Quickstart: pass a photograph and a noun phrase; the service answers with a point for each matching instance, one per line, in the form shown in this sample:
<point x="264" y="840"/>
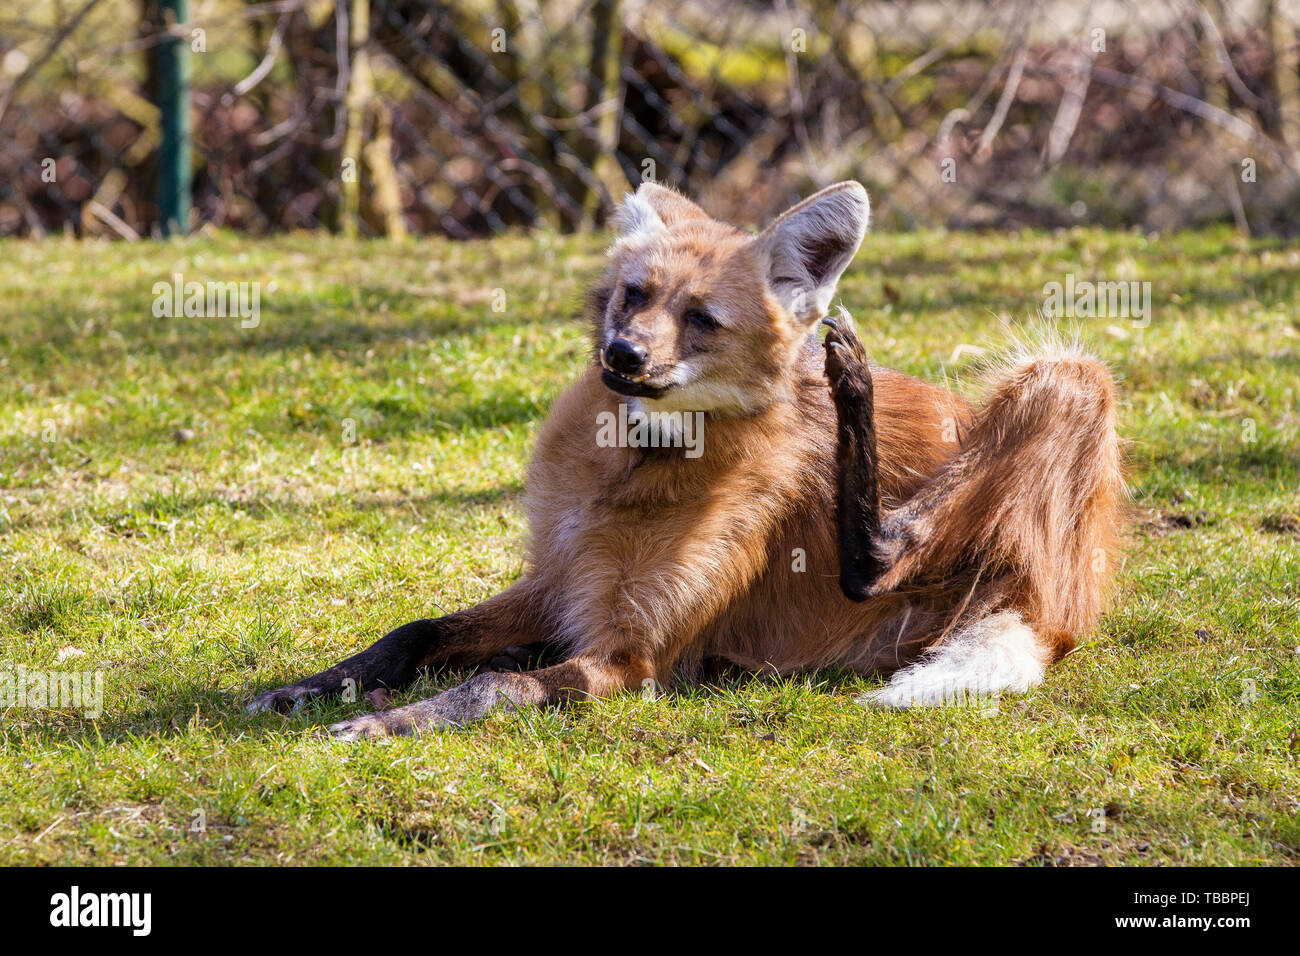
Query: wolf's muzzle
<point x="625" y="357"/>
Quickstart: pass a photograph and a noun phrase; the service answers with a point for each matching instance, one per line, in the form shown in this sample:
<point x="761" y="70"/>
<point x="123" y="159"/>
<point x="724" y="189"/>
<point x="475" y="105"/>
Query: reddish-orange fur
<point x="643" y="562"/>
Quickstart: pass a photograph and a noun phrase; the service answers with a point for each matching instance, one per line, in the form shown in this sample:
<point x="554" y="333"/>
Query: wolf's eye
<point x="633" y="296"/>
<point x="701" y="319"/>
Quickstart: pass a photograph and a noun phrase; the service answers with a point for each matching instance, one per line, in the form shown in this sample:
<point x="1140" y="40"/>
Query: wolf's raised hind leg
<point x="857" y="507"/>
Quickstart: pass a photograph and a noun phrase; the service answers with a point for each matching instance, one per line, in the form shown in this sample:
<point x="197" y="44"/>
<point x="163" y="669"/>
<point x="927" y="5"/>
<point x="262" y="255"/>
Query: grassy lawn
<point x="182" y="510"/>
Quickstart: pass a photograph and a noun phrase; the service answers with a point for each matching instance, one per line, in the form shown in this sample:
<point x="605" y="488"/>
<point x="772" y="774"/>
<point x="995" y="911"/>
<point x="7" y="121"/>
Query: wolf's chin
<point x="717" y="398"/>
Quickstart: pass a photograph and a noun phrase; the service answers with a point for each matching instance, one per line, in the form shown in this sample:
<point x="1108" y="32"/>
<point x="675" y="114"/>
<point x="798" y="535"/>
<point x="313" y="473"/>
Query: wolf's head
<point x="697" y="315"/>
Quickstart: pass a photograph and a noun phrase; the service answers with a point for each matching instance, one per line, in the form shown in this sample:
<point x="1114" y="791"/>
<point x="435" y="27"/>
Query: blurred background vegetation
<point x="474" y="117"/>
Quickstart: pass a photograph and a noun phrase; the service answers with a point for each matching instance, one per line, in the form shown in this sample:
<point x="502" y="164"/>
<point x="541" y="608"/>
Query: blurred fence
<point x="469" y="118"/>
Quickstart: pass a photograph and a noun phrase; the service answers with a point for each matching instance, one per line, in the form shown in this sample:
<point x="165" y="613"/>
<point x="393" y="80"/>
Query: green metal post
<point x="174" y="104"/>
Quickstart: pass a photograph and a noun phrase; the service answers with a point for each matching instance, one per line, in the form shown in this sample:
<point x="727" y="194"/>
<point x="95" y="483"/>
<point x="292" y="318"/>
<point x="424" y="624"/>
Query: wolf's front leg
<point x="582" y="677"/>
<point x="864" y="555"/>
<point x="465" y="639"/>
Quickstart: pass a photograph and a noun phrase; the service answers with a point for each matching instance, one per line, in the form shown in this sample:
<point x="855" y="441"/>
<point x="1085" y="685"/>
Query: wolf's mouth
<point x="625" y="386"/>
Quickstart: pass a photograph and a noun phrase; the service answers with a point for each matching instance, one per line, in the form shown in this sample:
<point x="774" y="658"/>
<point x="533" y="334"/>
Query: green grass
<point x="178" y="504"/>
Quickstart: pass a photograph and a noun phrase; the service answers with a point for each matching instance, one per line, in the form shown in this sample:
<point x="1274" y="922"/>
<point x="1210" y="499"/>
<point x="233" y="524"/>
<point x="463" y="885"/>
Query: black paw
<point x="846" y="359"/>
<point x="283" y="700"/>
<point x="291" y="697"/>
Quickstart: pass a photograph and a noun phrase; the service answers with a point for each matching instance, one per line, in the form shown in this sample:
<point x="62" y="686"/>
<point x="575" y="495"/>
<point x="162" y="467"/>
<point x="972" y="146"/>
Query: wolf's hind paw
<point x="846" y="359"/>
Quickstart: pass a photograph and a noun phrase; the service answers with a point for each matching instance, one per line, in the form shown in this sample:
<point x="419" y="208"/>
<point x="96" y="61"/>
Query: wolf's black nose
<point x="625" y="357"/>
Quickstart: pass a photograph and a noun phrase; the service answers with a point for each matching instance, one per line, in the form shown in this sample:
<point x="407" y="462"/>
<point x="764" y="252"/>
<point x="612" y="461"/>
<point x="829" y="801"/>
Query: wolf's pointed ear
<point x="810" y="245"/>
<point x="653" y="207"/>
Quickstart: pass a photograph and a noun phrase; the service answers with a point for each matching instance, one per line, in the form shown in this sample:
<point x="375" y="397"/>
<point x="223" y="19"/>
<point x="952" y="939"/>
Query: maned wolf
<point x="839" y="513"/>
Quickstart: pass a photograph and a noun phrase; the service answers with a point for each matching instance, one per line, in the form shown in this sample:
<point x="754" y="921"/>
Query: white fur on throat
<point x="693" y="391"/>
<point x="996" y="654"/>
